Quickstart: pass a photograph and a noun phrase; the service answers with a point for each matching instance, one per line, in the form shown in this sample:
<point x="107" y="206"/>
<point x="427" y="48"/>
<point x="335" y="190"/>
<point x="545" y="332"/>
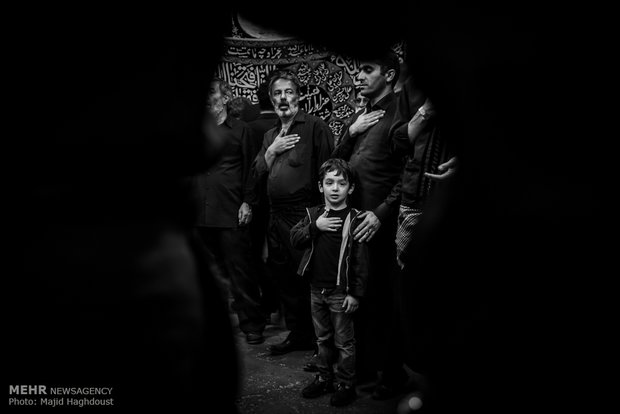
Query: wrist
<point x="424" y="113"/>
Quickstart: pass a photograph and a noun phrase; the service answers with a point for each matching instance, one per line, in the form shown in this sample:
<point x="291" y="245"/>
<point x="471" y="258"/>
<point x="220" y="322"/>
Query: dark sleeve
<point x="303" y="232"/>
<point x="259" y="166"/>
<point x="390" y="204"/>
<point x="249" y="150"/>
<point x="409" y="101"/>
<point x="359" y="257"/>
<point x="323" y="146"/>
<point x="324" y="142"/>
<point x="399" y="140"/>
<point x="256" y="140"/>
<point x="344" y="149"/>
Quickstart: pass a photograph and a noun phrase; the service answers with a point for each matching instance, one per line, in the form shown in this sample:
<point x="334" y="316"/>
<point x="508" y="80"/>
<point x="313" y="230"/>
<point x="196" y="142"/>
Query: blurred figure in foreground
<point x="242" y="108"/>
<point x="227" y="193"/>
<point x="112" y="289"/>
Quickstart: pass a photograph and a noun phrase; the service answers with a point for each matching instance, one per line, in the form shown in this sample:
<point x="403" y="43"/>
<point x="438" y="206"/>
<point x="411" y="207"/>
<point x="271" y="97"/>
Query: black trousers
<point x="268" y="288"/>
<point x="230" y="248"/>
<point x="378" y="325"/>
<point x="282" y="262"/>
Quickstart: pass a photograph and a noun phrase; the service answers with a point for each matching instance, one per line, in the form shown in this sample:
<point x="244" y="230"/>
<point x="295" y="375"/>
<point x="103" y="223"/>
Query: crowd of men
<point x="509" y="289"/>
<point x="267" y="176"/>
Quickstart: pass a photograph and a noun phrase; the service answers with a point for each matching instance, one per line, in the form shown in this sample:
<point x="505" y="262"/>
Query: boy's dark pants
<point x="334" y="329"/>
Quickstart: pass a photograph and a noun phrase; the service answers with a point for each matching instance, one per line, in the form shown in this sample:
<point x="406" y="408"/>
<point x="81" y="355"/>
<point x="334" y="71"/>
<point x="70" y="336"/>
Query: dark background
<point x="512" y="295"/>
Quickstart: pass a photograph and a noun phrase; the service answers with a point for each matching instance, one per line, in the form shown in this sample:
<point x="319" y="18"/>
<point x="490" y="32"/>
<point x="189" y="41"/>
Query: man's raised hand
<point x="365" y="121"/>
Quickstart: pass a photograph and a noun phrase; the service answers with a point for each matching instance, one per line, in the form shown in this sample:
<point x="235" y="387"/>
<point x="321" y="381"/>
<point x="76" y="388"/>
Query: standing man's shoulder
<point x="389" y="101"/>
<point x="316" y="119"/>
<point x="318" y="122"/>
<point x="237" y="124"/>
<point x="303" y="116"/>
<point x="272" y="131"/>
<point x="264" y="122"/>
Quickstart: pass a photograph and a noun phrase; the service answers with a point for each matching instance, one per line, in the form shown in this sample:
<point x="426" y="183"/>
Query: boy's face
<point x="335" y="189"/>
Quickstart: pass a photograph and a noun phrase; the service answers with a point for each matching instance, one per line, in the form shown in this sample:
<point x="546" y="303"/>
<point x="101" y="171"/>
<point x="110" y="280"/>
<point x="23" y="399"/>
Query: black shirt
<point x="378" y="169"/>
<point x="293" y="176"/>
<point x="259" y="126"/>
<point x="227" y="184"/>
<point x="324" y="270"/>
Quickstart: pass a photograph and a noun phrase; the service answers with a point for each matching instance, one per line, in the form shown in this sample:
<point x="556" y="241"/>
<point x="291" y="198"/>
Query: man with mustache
<point x="291" y="154"/>
<point x="366" y="145"/>
<point x="260" y="213"/>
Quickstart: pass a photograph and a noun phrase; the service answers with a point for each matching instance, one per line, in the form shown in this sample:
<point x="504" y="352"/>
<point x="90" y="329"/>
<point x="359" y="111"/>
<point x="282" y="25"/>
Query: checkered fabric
<point x="408" y="217"/>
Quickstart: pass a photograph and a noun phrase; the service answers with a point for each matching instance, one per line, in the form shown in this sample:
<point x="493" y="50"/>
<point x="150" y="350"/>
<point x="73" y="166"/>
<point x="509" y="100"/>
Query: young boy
<point x="336" y="266"/>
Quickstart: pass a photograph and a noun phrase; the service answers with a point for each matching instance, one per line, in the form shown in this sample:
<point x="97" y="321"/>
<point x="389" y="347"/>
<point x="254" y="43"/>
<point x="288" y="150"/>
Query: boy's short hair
<point x="340" y="166"/>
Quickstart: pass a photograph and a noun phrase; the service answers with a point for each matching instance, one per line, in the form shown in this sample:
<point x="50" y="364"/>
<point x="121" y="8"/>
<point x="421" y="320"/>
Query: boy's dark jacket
<point x="353" y="258"/>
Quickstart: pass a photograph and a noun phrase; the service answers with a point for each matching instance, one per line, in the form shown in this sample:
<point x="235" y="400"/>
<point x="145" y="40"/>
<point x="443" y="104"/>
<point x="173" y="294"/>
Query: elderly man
<point x="291" y="154"/>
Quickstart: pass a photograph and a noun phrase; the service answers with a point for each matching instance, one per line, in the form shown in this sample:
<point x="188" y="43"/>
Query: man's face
<point x="373" y="83"/>
<point x="285" y="98"/>
<point x="216" y="101"/>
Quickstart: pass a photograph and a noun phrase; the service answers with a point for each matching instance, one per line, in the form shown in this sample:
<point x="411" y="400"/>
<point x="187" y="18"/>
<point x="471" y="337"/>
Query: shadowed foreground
<point x="273" y="384"/>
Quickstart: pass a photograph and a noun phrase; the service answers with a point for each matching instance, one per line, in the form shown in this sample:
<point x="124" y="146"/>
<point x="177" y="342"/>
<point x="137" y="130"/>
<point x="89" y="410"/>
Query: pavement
<point x="273" y="384"/>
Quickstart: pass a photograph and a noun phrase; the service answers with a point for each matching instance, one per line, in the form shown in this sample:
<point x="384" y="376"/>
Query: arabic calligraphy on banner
<point x="271" y="51"/>
<point x="328" y="80"/>
<point x="244" y="78"/>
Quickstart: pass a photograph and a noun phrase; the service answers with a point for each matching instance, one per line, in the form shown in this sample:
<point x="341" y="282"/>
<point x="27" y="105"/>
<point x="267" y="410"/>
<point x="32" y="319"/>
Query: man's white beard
<point x="290" y="112"/>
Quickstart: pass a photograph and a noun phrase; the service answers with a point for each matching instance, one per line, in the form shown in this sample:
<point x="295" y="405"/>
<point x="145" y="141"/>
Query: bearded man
<point x="290" y="156"/>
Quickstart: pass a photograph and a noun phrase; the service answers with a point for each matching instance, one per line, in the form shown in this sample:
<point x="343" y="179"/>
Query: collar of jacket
<point x="383" y="102"/>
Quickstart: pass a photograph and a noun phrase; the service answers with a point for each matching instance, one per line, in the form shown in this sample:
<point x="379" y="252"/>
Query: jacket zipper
<point x="303" y="272"/>
<point x="350" y="249"/>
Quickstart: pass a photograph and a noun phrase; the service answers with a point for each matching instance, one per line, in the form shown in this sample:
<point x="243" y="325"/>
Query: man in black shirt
<point x="290" y="158"/>
<point x="366" y="145"/>
<point x="266" y="120"/>
<point x="225" y="195"/>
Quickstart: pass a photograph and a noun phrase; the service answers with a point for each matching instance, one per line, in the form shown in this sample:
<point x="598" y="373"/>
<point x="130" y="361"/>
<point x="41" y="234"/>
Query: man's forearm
<point x="270" y="156"/>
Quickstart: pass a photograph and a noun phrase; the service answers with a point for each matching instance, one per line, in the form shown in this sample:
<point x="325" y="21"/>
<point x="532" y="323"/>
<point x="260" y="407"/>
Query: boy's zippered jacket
<point x="353" y="257"/>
